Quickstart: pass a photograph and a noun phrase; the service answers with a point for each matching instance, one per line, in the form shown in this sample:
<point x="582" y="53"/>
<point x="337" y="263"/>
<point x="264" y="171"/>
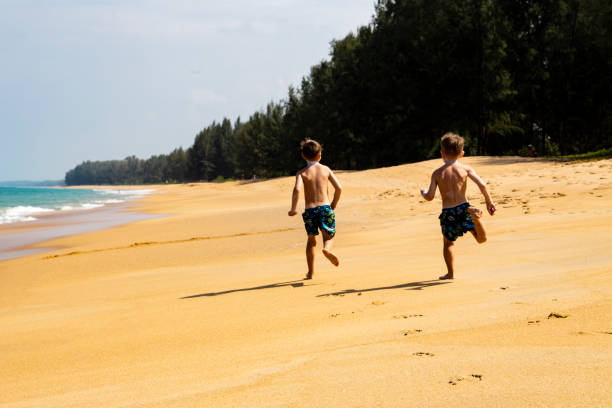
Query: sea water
<point x="19" y="204"/>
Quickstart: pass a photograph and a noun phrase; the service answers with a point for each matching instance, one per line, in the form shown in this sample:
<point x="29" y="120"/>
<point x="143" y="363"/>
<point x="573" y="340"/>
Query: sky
<point x="105" y="79"/>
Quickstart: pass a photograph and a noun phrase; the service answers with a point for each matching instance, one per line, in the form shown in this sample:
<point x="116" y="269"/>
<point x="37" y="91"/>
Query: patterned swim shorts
<point x="322" y="217"/>
<point x="456" y="221"/>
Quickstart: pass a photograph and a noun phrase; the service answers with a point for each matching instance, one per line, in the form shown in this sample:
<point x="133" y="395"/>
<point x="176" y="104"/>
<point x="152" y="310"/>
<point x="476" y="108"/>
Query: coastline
<point x="206" y="306"/>
<point x="29" y="237"/>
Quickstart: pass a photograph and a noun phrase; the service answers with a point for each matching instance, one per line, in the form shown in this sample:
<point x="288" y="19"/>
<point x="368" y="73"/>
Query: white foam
<point x="26" y="213"/>
<point x="89" y="206"/>
<point x="131" y="193"/>
<point x="20" y="213"/>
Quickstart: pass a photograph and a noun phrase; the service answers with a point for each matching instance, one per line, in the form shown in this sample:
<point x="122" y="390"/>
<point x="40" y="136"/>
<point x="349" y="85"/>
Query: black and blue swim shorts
<point x="322" y="217"/>
<point x="456" y="221"/>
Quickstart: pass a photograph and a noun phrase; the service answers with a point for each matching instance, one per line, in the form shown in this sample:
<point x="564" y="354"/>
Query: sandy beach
<point x="205" y="306"/>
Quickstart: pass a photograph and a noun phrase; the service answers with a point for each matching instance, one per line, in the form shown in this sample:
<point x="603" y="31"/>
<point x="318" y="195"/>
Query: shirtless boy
<point x="319" y="213"/>
<point x="457" y="216"/>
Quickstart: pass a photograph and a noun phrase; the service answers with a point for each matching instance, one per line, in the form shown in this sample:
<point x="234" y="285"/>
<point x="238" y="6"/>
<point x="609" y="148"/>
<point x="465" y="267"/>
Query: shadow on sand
<point x="497" y="160"/>
<point x="409" y="286"/>
<point x="295" y="284"/>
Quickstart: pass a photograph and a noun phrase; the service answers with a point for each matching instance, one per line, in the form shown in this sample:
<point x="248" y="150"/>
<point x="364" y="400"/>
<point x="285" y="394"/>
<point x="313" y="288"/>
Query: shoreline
<point x="25" y="238"/>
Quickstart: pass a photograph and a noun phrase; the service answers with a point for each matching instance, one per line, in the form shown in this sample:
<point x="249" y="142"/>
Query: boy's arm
<point x="337" y="189"/>
<point x="431" y="193"/>
<point x="296" y="194"/>
<point x="483" y="189"/>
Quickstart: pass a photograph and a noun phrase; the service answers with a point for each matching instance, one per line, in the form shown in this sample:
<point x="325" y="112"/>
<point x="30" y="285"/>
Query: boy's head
<point x="311" y="150"/>
<point x="452" y="145"/>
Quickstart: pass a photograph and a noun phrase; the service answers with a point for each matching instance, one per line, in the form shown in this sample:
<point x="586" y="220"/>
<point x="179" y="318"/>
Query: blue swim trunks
<point x="322" y="217"/>
<point x="456" y="221"/>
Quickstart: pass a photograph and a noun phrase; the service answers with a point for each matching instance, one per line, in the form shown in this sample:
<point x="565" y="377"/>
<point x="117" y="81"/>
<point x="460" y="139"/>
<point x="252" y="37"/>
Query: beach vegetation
<point x="504" y="74"/>
<point x="599" y="154"/>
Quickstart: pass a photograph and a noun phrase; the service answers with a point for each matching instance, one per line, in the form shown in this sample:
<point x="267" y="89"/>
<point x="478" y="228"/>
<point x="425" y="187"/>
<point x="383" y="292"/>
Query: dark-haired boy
<point x="457" y="216"/>
<point x="319" y="213"/>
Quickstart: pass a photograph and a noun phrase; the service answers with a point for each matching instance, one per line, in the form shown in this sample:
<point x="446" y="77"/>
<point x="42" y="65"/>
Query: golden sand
<point x="205" y="307"/>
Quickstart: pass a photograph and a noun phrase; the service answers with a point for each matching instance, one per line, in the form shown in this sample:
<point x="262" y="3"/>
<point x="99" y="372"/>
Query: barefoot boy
<point x="319" y="214"/>
<point x="457" y="216"/>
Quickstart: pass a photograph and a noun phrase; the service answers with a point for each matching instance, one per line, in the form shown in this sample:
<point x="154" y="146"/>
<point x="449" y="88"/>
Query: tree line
<point x="502" y="73"/>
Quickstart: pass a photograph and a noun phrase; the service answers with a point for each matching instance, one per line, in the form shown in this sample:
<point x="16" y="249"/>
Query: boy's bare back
<point x="314" y="178"/>
<point x="452" y="182"/>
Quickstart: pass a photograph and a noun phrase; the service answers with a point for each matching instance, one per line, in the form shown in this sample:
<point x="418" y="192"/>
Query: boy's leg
<point x="327" y="245"/>
<point x="448" y="258"/>
<point x="310" y="254"/>
<point x="479" y="232"/>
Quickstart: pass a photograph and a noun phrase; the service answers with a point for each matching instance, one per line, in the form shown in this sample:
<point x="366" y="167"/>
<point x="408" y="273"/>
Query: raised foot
<point x="332" y="258"/>
<point x="447" y="276"/>
<point x="474" y="212"/>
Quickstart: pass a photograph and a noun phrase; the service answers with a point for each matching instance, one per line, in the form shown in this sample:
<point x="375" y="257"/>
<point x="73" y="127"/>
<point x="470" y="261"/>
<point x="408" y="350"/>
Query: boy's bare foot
<point x="308" y="276"/>
<point x="332" y="258"/>
<point x="474" y="212"/>
<point x="447" y="276"/>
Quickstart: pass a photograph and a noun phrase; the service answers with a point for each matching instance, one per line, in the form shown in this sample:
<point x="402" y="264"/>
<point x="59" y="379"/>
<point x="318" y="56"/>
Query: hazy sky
<point x="105" y="79"/>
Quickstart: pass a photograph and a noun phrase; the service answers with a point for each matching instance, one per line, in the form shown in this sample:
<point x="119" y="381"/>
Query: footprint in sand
<point x="378" y="303"/>
<point x="533" y="322"/>
<point x="471" y="378"/>
<point x="334" y="315"/>
<point x="423" y="354"/>
<point x="411" y="332"/>
<point x="406" y="316"/>
<point x="554" y="315"/>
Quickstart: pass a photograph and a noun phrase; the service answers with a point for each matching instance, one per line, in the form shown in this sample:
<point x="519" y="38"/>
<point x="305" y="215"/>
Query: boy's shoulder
<point x="466" y="167"/>
<point x="437" y="172"/>
<point x="455" y="164"/>
<point x="319" y="165"/>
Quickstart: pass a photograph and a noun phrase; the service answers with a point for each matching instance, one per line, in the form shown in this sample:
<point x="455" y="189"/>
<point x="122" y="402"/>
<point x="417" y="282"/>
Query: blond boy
<point x="319" y="213"/>
<point x="457" y="216"/>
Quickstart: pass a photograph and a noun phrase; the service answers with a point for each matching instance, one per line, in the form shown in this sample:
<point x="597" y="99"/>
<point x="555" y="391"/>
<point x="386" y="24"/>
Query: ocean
<point x="20" y="204"/>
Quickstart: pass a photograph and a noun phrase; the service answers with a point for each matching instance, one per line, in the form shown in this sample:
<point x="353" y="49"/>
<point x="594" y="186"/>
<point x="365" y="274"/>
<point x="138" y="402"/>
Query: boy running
<point x="457" y="216"/>
<point x="319" y="213"/>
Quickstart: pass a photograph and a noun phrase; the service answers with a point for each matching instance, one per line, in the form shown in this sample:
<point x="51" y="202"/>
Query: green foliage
<point x="599" y="154"/>
<point x="502" y="73"/>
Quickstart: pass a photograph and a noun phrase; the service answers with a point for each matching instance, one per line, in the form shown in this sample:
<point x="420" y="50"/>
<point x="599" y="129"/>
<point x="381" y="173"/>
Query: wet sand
<point x="206" y="306"/>
<point x="20" y="239"/>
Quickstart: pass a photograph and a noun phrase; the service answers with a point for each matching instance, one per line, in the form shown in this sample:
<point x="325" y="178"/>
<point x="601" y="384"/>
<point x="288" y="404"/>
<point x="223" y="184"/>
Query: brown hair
<point x="452" y="144"/>
<point x="310" y="149"/>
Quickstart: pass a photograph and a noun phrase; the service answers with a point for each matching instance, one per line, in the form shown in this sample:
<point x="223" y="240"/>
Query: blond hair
<point x="310" y="149"/>
<point x="452" y="144"/>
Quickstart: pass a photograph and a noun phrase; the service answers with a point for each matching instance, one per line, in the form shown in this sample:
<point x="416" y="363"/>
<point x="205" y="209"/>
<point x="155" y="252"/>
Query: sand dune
<point x="205" y="307"/>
